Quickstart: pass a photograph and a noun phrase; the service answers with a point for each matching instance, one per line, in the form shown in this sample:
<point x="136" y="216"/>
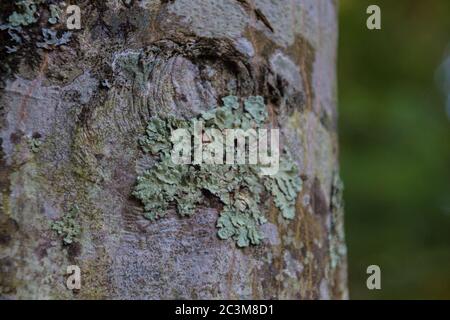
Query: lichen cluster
<point x="34" y="144"/>
<point x="239" y="187"/>
<point x="55" y="13"/>
<point x="338" y="250"/>
<point x="68" y="227"/>
<point x="26" y="17"/>
<point x="136" y="66"/>
<point x="22" y="24"/>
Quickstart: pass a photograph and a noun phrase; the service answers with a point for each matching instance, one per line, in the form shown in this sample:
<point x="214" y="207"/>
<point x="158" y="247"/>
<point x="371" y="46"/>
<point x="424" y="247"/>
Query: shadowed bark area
<point x="70" y="125"/>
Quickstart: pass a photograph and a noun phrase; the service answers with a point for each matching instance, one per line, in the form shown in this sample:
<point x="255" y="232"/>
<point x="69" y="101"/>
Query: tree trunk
<point x="71" y="118"/>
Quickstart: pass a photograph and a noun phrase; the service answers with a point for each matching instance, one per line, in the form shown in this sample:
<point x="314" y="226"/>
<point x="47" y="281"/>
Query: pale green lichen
<point x="338" y="250"/>
<point x="51" y="38"/>
<point x="34" y="144"/>
<point x="238" y="187"/>
<point x="27" y="15"/>
<point x="158" y="133"/>
<point x="135" y="65"/>
<point x="21" y="30"/>
<point x="284" y="186"/>
<point x="68" y="227"/>
<point x="55" y="14"/>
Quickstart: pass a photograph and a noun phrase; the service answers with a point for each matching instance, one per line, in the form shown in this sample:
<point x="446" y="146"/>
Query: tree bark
<point x="70" y="125"/>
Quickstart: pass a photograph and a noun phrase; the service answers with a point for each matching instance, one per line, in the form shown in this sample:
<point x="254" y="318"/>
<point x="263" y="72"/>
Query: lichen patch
<point x="240" y="188"/>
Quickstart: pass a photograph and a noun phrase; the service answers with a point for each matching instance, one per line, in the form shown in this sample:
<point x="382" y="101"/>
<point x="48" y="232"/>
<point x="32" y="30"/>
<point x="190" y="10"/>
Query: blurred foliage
<point x="395" y="147"/>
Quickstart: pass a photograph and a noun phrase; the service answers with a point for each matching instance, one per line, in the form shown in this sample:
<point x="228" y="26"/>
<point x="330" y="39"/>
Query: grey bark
<point x="88" y="114"/>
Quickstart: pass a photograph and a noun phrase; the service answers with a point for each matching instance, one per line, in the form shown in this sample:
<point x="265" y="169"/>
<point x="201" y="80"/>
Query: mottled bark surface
<point x="88" y="112"/>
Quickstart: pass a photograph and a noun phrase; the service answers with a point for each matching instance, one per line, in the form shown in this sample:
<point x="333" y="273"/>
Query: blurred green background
<point x="395" y="147"/>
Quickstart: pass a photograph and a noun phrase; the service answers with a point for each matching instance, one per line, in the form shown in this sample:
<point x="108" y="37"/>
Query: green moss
<point x="68" y="227"/>
<point x="238" y="187"/>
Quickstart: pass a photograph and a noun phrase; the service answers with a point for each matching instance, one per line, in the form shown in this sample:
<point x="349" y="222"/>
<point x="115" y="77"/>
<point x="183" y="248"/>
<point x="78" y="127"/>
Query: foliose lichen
<point x="21" y="26"/>
<point x="338" y="250"/>
<point x="68" y="227"/>
<point x="27" y="15"/>
<point x="34" y="144"/>
<point x="51" y="39"/>
<point x="55" y="14"/>
<point x="135" y="65"/>
<point x="239" y="188"/>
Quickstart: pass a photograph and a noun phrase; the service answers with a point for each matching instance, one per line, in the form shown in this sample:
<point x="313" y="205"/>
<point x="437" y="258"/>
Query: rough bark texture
<point x="88" y="112"/>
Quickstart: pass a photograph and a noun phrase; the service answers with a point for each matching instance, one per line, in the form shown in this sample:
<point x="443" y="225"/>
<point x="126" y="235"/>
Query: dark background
<point x="395" y="146"/>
